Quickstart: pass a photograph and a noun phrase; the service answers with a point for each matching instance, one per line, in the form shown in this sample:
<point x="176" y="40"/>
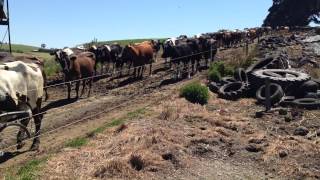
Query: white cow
<point x="22" y="84"/>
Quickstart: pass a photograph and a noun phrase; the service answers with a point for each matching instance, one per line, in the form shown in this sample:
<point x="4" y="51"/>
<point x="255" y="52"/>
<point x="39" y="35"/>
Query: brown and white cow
<point x="21" y="89"/>
<point x="76" y="67"/>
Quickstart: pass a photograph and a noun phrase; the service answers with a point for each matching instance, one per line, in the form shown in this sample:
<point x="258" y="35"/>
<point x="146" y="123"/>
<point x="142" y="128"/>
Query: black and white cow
<point x="21" y="89"/>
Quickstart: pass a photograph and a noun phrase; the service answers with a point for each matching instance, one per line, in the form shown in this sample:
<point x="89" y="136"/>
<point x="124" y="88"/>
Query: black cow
<point x="103" y="57"/>
<point x="107" y="54"/>
<point x="181" y="53"/>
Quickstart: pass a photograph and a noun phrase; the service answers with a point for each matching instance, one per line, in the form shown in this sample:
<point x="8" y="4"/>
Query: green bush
<point x="195" y="93"/>
<point x="218" y="70"/>
<point x="228" y="71"/>
<point x="214" y="75"/>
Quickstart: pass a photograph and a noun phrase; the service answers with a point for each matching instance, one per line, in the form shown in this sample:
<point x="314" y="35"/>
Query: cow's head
<point x="63" y="59"/>
<point x="167" y="50"/>
<point x="156" y="45"/>
<point x="126" y="52"/>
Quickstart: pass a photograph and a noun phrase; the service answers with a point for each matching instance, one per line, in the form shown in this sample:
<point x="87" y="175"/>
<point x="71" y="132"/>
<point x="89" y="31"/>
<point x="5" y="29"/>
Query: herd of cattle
<point x="23" y="82"/>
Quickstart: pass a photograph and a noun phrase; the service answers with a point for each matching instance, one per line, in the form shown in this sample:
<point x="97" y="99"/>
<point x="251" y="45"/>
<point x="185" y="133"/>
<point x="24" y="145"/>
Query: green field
<point x="125" y="42"/>
<point x="18" y="48"/>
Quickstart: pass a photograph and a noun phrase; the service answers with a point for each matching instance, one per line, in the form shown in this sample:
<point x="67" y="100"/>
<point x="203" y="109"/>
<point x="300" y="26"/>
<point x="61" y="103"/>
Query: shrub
<point x="195" y="93"/>
<point x="214" y="75"/>
<point x="228" y="71"/>
<point x="220" y="69"/>
<point x="218" y="66"/>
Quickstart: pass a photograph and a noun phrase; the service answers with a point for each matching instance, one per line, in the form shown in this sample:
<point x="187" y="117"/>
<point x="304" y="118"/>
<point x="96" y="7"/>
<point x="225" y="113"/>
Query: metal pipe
<point x="9" y="33"/>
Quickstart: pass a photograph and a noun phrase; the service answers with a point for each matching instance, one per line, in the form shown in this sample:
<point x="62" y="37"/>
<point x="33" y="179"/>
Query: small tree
<point x="43" y="46"/>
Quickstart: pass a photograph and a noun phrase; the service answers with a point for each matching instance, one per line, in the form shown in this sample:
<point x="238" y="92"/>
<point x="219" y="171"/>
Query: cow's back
<point x="24" y="79"/>
<point x="84" y="64"/>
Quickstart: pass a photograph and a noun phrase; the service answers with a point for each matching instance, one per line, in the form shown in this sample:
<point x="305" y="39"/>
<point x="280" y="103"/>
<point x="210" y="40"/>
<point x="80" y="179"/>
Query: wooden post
<point x="268" y="95"/>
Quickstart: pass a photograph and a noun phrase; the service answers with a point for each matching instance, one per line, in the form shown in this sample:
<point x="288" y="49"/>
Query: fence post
<point x="268" y="95"/>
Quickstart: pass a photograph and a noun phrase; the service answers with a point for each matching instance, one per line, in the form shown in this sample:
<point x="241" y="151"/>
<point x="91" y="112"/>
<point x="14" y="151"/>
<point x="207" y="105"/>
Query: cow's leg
<point x="69" y="90"/>
<point x="95" y="68"/>
<point x="90" y="86"/>
<point x="134" y="72"/>
<point x="188" y="68"/>
<point x="101" y="68"/>
<point x="37" y="122"/>
<point x="114" y="69"/>
<point x="77" y="89"/>
<point x="141" y="71"/>
<point x="21" y="133"/>
<point x="83" y="87"/>
<point x="45" y="86"/>
<point x="151" y="69"/>
<point x="176" y="66"/>
<point x="179" y="70"/>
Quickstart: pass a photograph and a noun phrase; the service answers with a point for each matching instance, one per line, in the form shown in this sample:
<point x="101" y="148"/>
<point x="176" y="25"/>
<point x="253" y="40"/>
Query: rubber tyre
<point x="276" y="94"/>
<point x="287" y="101"/>
<point x="214" y="87"/>
<point x="228" y="80"/>
<point x="307" y="87"/>
<point x="296" y="77"/>
<point x="312" y="95"/>
<point x="241" y="75"/>
<point x="259" y="64"/>
<point x="307" y="103"/>
<point x="233" y="90"/>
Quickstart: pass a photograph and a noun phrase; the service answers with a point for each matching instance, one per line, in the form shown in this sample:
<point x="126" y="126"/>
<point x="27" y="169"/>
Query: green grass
<point x="77" y="143"/>
<point x="117" y="122"/>
<point x="137" y="113"/>
<point x="28" y="171"/>
<point x="220" y="69"/>
<point x="124" y="42"/>
<point x="19" y="48"/>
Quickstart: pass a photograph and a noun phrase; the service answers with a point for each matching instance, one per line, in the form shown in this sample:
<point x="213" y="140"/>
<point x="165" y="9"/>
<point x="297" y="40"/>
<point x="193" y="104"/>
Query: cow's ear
<point x="73" y="58"/>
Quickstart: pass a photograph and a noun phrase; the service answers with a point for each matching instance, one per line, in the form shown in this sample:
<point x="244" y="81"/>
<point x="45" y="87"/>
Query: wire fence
<point x="72" y="123"/>
<point x="173" y="60"/>
<point x="84" y="119"/>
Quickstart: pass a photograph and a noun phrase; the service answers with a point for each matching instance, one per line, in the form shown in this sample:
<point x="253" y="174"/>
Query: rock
<point x="301" y="131"/>
<point x="283" y="112"/>
<point x="255" y="141"/>
<point x="283" y="154"/>
<point x="288" y="118"/>
<point x="253" y="148"/>
<point x="318" y="132"/>
<point x="258" y="115"/>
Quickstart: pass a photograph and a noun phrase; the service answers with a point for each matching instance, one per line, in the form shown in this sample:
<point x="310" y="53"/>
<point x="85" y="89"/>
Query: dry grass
<point x="143" y="147"/>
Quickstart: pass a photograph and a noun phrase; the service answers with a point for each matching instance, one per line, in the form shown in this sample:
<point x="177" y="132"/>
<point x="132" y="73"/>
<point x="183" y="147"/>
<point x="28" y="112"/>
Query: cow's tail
<point x="45" y="88"/>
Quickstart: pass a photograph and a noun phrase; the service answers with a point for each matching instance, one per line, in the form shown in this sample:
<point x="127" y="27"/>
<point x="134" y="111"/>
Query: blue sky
<point x="60" y="23"/>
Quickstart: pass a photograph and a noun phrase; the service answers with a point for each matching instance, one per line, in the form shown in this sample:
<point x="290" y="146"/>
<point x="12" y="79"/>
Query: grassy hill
<point x="124" y="42"/>
<point x="18" y="48"/>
